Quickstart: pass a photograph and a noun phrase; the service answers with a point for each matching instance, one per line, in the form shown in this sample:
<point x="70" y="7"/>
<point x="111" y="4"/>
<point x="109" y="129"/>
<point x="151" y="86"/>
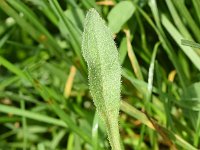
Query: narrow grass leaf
<point x="151" y="69"/>
<point x="132" y="57"/>
<point x="160" y="79"/>
<point x="123" y="50"/>
<point x="43" y="90"/>
<point x="91" y="4"/>
<point x="138" y="84"/>
<point x="196" y="5"/>
<point x="66" y="118"/>
<point x="184" y="11"/>
<point x="44" y="7"/>
<point x="17" y="97"/>
<point x="132" y="111"/>
<point x="23" y="23"/>
<point x="32" y="115"/>
<point x="143" y="33"/>
<point x="12" y="68"/>
<point x="6" y="119"/>
<point x="74" y="31"/>
<point x="8" y="81"/>
<point x="177" y="20"/>
<point x="150" y="79"/>
<point x="195" y="59"/>
<point x="41" y="146"/>
<point x="33" y="19"/>
<point x="5" y="38"/>
<point x="70" y="142"/>
<point x="76" y="16"/>
<point x="191" y="100"/>
<point x="164" y="41"/>
<point x="57" y="139"/>
<point x="95" y="128"/>
<point x="24" y="125"/>
<point x="184" y="144"/>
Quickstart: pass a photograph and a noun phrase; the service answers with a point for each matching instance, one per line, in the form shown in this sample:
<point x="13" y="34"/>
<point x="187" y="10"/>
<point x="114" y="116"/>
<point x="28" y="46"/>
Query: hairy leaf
<point x="104" y="70"/>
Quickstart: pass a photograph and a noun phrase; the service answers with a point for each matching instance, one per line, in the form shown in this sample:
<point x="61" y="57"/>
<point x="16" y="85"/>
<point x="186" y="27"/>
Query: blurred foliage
<point x="45" y="103"/>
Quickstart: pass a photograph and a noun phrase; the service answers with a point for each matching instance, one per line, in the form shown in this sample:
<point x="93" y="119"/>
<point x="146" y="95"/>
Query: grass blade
<point x="74" y="32"/>
<point x="188" y="18"/>
<point x="178" y="21"/>
<point x="31" y="115"/>
<point x="195" y="59"/>
<point x="132" y="57"/>
<point x="165" y="43"/>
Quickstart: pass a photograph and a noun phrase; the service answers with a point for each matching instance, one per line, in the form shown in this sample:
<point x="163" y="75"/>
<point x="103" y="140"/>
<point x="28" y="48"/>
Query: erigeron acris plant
<point x="104" y="73"/>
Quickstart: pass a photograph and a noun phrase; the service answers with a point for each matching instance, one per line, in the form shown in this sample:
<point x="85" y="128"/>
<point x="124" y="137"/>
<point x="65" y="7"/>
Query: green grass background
<point x="45" y="103"/>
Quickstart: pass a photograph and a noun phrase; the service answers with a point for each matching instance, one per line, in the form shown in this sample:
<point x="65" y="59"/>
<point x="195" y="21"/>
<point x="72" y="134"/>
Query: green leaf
<point x="30" y="24"/>
<point x="195" y="59"/>
<point x="67" y="26"/>
<point x="164" y="40"/>
<point x="32" y="115"/>
<point x="177" y="20"/>
<point x="76" y="16"/>
<point x="101" y="55"/>
<point x="196" y="7"/>
<point x="188" y="18"/>
<point x="132" y="111"/>
<point x="123" y="50"/>
<point x="119" y="15"/>
<point x="191" y="101"/>
<point x="95" y="128"/>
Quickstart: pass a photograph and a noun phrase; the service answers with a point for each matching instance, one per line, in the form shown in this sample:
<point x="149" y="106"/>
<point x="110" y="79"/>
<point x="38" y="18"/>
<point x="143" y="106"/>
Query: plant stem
<point x="113" y="133"/>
